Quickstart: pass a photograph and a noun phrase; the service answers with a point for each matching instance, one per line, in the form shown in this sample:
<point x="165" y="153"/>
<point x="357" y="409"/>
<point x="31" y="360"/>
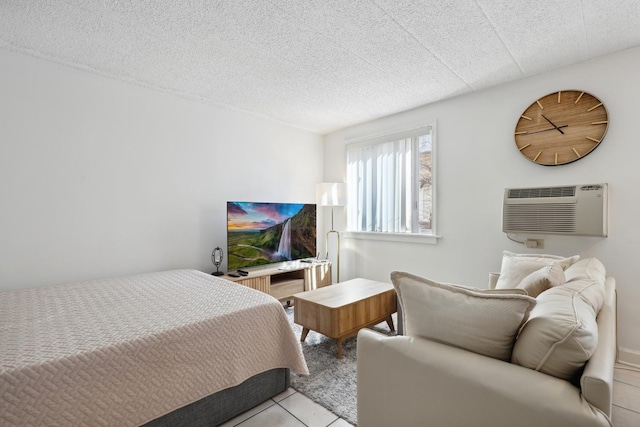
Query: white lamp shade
<point x="331" y="194"/>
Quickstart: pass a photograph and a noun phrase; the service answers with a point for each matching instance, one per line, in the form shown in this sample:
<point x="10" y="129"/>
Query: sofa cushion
<point x="588" y="268"/>
<point x="483" y="322"/>
<point x="561" y="333"/>
<point x="515" y="267"/>
<point x="542" y="279"/>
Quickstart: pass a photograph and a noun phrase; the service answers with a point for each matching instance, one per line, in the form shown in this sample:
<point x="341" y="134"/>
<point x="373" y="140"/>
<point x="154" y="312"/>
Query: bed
<point x="166" y="348"/>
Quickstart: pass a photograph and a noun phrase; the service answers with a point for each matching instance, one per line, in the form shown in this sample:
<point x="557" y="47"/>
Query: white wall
<point x="477" y="159"/>
<point x="100" y="178"/>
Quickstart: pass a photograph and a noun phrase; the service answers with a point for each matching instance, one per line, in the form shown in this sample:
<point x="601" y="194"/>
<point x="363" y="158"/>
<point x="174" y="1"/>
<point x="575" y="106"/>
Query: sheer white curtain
<point x="379" y="178"/>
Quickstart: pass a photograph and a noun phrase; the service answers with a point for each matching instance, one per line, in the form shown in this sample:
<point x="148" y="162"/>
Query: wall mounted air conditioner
<point x="578" y="210"/>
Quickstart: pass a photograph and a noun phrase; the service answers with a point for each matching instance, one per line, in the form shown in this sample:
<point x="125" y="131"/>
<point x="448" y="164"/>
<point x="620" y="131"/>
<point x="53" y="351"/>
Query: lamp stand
<point x="338" y="247"/>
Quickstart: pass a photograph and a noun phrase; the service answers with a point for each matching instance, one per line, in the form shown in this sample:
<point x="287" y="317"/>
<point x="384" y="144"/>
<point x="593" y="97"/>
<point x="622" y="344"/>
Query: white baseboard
<point x="627" y="356"/>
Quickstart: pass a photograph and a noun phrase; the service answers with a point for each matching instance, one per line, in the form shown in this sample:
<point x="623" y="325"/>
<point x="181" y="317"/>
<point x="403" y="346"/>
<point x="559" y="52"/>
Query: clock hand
<point x="546" y="130"/>
<point x="553" y="124"/>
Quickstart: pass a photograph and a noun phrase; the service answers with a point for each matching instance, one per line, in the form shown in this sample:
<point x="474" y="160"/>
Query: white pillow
<point x="541" y="280"/>
<point x="515" y="267"/>
<point x="483" y="322"/>
<point x="561" y="333"/>
<point x="514" y="291"/>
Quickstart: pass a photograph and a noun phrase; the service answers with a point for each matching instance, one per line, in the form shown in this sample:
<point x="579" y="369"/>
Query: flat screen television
<point x="265" y="233"/>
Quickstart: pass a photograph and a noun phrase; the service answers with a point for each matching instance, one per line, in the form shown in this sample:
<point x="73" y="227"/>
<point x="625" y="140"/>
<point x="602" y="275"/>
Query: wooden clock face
<point x="561" y="127"/>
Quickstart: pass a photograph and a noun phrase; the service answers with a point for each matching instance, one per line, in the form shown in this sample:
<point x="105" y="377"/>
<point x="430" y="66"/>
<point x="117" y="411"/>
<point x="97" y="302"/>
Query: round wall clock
<point x="561" y="127"/>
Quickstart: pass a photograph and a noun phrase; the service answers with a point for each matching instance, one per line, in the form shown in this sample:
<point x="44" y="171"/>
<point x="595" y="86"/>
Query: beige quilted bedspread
<point x="124" y="351"/>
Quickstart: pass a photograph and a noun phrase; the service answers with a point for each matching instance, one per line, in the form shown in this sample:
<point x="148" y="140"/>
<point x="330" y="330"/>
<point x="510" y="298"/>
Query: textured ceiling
<point x="319" y="65"/>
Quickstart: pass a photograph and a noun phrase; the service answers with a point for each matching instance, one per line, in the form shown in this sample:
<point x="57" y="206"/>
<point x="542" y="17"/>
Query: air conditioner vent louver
<point x="569" y="210"/>
<point x="550" y="218"/>
<point x="529" y="193"/>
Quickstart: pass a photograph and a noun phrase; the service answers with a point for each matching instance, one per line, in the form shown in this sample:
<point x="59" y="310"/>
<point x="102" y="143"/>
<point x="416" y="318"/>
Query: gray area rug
<point x="331" y="382"/>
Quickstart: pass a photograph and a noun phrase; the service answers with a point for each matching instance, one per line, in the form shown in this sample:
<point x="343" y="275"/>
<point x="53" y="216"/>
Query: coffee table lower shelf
<point x="339" y="311"/>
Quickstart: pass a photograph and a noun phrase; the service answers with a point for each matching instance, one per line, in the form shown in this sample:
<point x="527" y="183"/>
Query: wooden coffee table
<point x="339" y="311"/>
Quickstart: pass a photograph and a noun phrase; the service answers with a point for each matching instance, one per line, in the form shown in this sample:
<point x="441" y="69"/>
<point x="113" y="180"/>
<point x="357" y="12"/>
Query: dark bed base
<point x="217" y="408"/>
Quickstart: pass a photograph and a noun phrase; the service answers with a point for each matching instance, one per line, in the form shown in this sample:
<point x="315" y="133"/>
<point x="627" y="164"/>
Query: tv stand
<point x="282" y="280"/>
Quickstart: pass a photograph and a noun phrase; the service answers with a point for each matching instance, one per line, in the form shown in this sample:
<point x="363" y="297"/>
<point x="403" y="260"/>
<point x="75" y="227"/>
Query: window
<point x="390" y="183"/>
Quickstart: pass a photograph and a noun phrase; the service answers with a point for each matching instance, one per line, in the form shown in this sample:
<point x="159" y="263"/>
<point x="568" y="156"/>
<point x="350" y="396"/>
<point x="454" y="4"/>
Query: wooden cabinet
<point x="285" y="279"/>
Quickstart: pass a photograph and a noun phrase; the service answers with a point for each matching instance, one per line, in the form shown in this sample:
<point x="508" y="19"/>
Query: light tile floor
<point x="291" y="408"/>
<point x="288" y="409"/>
<point x="626" y="396"/>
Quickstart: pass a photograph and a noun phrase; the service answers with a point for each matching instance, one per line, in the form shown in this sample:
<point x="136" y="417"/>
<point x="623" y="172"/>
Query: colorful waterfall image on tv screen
<point x="265" y="233"/>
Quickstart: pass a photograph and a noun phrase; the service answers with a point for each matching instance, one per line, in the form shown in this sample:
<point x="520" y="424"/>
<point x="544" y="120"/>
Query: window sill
<point x="429" y="239"/>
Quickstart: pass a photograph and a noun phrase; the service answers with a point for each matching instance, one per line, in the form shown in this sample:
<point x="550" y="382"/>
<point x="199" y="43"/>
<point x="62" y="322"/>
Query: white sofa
<point x="413" y="381"/>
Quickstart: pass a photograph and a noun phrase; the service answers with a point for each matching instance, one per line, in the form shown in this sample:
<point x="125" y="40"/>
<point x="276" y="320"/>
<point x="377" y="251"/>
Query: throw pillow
<point x="515" y="291"/>
<point x="543" y="279"/>
<point x="482" y="322"/>
<point x="515" y="267"/>
<point x="561" y="333"/>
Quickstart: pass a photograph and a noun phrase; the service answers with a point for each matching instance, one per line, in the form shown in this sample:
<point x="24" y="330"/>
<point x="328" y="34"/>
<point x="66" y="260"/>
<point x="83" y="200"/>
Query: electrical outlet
<point x="534" y="243"/>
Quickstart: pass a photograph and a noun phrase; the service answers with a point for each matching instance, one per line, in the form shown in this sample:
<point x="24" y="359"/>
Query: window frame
<point x="397" y="134"/>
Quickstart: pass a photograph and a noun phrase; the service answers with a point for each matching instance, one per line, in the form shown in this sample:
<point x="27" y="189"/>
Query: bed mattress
<point x="124" y="351"/>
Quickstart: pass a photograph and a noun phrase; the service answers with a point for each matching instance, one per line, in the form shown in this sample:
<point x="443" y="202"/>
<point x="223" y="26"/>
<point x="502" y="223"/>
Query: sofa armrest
<point x="493" y="280"/>
<point x="597" y="378"/>
<point x="406" y="381"/>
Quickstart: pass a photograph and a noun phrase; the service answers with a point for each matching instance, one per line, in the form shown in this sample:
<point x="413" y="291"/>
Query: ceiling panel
<point x="460" y="35"/>
<point x="611" y="26"/>
<point x="319" y="65"/>
<point x="545" y="34"/>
